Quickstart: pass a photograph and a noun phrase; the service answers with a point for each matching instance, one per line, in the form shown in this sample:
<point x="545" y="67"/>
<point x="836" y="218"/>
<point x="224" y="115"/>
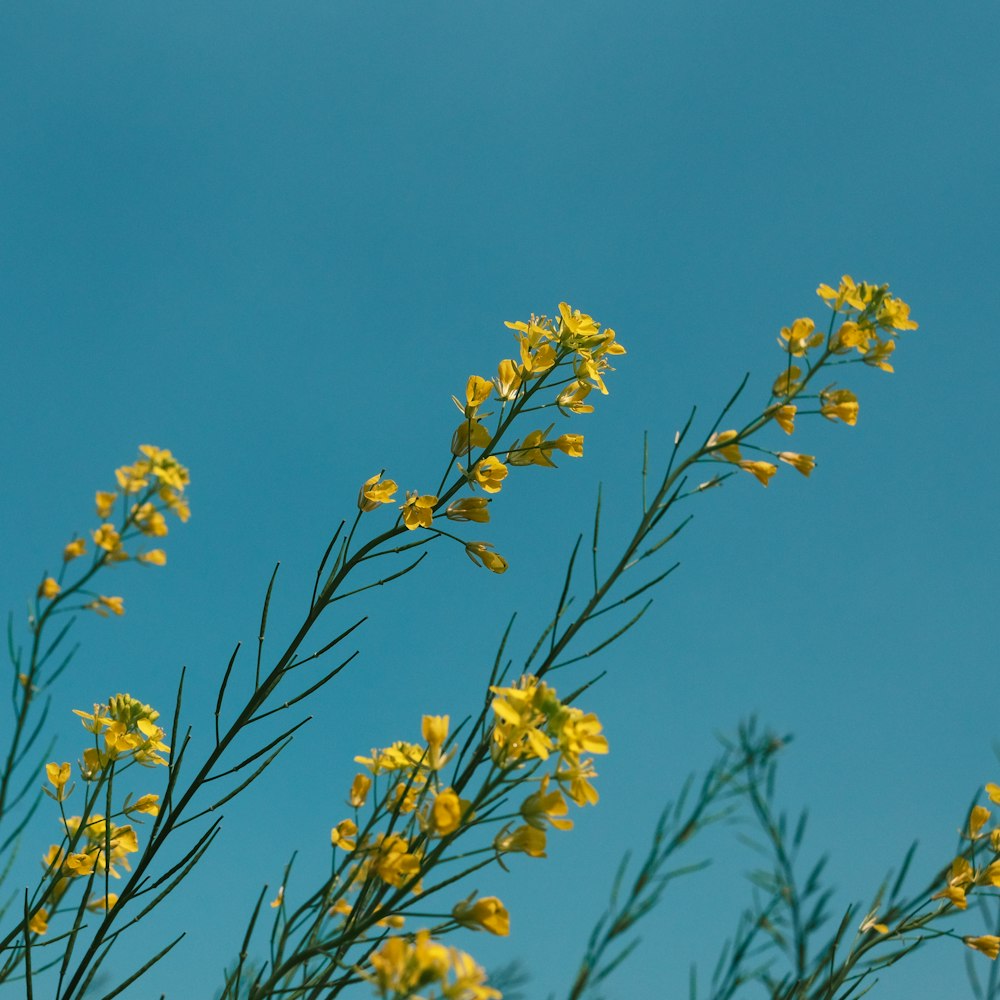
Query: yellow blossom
<point x="447" y="813"/>
<point x="39" y="923"/>
<point x="469" y="509"/>
<point x="344" y="835"/>
<point x="839" y="404"/>
<point x="762" y="471"/>
<point x="988" y="944"/>
<point x="469" y="434"/>
<point x="575" y="779"/>
<point x="544" y="807"/>
<point x="895" y="314"/>
<point x="800" y="337"/>
<point x="49" y="588"/>
<point x="787" y="382"/>
<point x="107" y="538"/>
<point x="359" y="790"/>
<point x="148" y="804"/>
<point x="486" y="914"/>
<point x="279" y="899"/>
<point x="534" y="450"/>
<point x="536" y="360"/>
<point x="489" y="473"/>
<point x="803" y="463"/>
<point x="392" y="860"/>
<point x="75" y="548"/>
<point x="480" y="552"/>
<point x="573" y="397"/>
<point x="978" y="818"/>
<point x="576" y="322"/>
<point x="477" y="391"/>
<point x="154" y="557"/>
<point x="116" y="605"/>
<point x="105" y="502"/>
<point x="104" y="903"/>
<point x="132" y="478"/>
<point x="149" y="520"/>
<point x="993" y="791"/>
<point x="570" y="444"/>
<point x="878" y="356"/>
<point x="435" y="732"/>
<point x="525" y="839"/>
<point x="508" y="380"/>
<point x="375" y="491"/>
<point x="59" y="775"/>
<point x="720" y="447"/>
<point x="418" y="511"/>
<point x="784" y="417"/>
<point x="870" y="923"/>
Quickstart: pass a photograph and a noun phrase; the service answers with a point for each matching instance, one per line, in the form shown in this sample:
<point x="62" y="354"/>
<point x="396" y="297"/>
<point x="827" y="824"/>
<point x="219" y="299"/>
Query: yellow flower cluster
<point x="154" y="484"/>
<point x="98" y="836"/>
<point x="868" y="313"/>
<point x="401" y="967"/>
<point x="129" y="730"/>
<point x="531" y="724"/>
<point x="574" y="340"/>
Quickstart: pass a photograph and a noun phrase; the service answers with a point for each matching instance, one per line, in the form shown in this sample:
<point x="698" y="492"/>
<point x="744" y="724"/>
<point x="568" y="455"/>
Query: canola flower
<point x="500" y="788"/>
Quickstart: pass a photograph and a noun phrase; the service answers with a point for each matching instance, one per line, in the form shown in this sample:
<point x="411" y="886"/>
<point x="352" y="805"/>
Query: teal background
<point x="276" y="238"/>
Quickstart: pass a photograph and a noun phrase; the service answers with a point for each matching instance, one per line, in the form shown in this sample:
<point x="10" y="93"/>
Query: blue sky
<point x="276" y="238"/>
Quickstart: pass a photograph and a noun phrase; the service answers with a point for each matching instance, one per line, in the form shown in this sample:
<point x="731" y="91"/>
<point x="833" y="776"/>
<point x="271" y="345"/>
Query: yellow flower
<point x="851" y="335"/>
<point x="544" y="807"/>
<point x="175" y="503"/>
<point x="870" y="924"/>
<point x="76" y="548"/>
<point x="116" y="605"/>
<point x="132" y="478"/>
<point x="854" y="295"/>
<point x="993" y="791"/>
<point x="418" y="511"/>
<point x="534" y="450"/>
<point x="480" y="552"/>
<point x="784" y="417"/>
<point x="988" y="944"/>
<point x="154" y="557"/>
<point x="279" y="899"/>
<point x="375" y="491"/>
<point x="536" y="360"/>
<point x="719" y="446"/>
<point x="147" y="804"/>
<point x="489" y="473"/>
<point x="800" y="337"/>
<point x="105" y="903"/>
<point x="895" y="314"/>
<point x="59" y="775"/>
<point x="104" y="501"/>
<point x="400" y="756"/>
<point x="803" y="463"/>
<point x="435" y="733"/>
<point x="787" y="382"/>
<point x="977" y="820"/>
<point x="359" y="790"/>
<point x="577" y="323"/>
<point x="344" y="835"/>
<point x="49" y="588"/>
<point x="149" y="520"/>
<point x="878" y="356"/>
<point x="839" y="404"/>
<point x="469" y="434"/>
<point x="508" y="380"/>
<point x="575" y="779"/>
<point x="107" y="538"/>
<point x="762" y="471"/>
<point x="570" y="444"/>
<point x="39" y="923"/>
<point x="525" y="840"/>
<point x="477" y="391"/>
<point x="392" y="860"/>
<point x="168" y="471"/>
<point x="573" y="396"/>
<point x="485" y="914"/>
<point x="447" y="813"/>
<point x="469" y="509"/>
